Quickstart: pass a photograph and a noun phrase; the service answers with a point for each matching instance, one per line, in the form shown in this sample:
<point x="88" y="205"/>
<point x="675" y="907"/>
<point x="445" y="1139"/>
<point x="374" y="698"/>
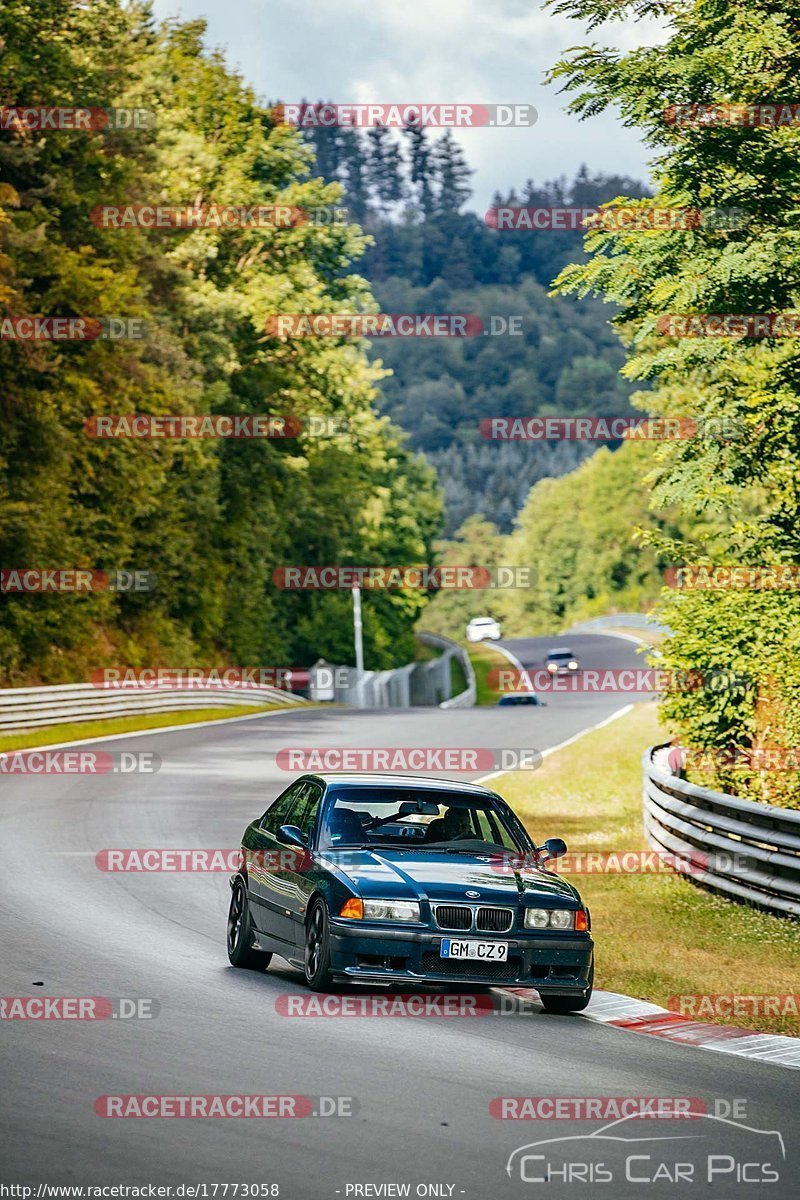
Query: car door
<point x="298" y="872"/>
<point x="264" y="870"/>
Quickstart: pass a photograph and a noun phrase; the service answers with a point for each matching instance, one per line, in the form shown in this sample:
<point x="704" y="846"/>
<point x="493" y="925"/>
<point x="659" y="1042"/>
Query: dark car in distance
<point x="561" y="661"/>
<point x="399" y="879"/>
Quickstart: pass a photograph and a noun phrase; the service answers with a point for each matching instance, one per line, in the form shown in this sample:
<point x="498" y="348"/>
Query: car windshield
<point x="560" y="654"/>
<point x="420" y="819"/>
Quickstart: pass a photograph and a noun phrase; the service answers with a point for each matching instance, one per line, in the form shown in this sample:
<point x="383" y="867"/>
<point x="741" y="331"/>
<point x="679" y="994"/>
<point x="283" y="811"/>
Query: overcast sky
<point x="468" y="51"/>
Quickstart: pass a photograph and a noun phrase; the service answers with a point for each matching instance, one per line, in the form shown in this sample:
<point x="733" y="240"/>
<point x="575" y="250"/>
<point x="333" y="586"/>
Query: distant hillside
<point x="428" y="256"/>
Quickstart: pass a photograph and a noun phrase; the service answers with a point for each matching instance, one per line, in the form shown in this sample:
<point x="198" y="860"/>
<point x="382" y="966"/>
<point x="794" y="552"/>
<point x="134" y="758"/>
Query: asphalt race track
<point x="421" y="1087"/>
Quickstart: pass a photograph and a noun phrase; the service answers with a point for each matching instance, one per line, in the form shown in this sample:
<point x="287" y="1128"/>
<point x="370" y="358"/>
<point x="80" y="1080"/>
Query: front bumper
<point x="558" y="964"/>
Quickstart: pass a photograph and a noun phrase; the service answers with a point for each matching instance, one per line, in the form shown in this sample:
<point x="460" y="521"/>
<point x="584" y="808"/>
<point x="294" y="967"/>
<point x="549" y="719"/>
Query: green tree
<point x="477" y="543"/>
<point x="212" y="520"/>
<point x="742" y="495"/>
<point x="421" y="169"/>
<point x="385" y="169"/>
<point x="453" y="174"/>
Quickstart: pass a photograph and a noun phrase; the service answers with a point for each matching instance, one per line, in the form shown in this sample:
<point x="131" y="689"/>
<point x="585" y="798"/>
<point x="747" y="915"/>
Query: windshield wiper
<point x="400" y="844"/>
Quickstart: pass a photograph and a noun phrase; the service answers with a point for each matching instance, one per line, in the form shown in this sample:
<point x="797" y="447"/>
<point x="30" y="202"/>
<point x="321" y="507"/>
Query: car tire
<point x="240" y="933"/>
<point x="569" y="1004"/>
<point x="317" y="960"/>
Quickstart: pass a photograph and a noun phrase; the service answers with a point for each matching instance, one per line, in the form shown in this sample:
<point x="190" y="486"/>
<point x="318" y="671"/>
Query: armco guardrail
<point x="621" y="621"/>
<point x="417" y="683"/>
<point x="741" y="849"/>
<point x="27" y="708"/>
<point x="467" y="698"/>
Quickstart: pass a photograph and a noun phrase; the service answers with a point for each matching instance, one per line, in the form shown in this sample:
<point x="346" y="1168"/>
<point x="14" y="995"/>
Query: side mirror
<point x="290" y="835"/>
<point x="553" y="848"/>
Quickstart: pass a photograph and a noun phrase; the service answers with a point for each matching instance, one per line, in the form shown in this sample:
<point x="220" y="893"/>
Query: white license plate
<point x="485" y="951"/>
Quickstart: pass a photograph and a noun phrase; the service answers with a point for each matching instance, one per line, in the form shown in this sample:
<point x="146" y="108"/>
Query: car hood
<point x="393" y="874"/>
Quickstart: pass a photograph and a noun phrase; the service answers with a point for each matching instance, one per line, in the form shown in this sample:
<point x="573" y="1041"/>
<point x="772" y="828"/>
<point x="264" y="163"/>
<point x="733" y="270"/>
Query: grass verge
<point x="46" y="735"/>
<point x="657" y="936"/>
<point x="485" y="658"/>
<point x="458" y="680"/>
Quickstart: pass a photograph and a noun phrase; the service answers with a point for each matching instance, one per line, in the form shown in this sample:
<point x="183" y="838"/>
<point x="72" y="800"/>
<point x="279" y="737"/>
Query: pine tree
<point x="326" y="142"/>
<point x="385" y="167"/>
<point x="355" y="161"/>
<point x="453" y="174"/>
<point x="421" y="170"/>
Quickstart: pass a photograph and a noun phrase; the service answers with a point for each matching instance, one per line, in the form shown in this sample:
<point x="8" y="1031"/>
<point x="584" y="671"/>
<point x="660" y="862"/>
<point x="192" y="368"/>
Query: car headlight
<point x="549" y="918"/>
<point x="573" y="666"/>
<point x="391" y="910"/>
<point x="552" y="667"/>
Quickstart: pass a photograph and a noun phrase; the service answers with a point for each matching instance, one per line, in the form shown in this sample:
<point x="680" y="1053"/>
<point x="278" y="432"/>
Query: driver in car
<point x="454" y="824"/>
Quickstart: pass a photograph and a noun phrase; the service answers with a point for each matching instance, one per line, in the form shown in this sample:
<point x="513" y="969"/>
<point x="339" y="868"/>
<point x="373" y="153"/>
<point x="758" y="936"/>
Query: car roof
<point x="483" y="621"/>
<point x="560" y="650"/>
<point x="357" y="779"/>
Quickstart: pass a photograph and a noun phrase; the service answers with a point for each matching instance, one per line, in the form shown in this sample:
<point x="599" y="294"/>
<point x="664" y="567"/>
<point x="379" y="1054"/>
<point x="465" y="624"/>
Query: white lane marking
<point x="575" y="737"/>
<point x="512" y="658"/>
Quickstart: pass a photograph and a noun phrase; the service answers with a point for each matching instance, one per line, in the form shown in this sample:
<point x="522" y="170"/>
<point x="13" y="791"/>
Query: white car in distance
<point x="481" y="628"/>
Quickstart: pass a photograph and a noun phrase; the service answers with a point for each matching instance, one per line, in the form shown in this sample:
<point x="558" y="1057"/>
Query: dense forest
<point x="408" y="191"/>
<point x="209" y="519"/>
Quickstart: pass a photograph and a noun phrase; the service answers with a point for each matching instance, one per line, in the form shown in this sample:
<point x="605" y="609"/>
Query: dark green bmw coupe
<point x="398" y="879"/>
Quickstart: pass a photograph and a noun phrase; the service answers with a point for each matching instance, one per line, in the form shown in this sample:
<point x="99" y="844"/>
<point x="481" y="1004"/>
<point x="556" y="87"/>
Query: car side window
<point x="305" y="814"/>
<point x="491" y="830"/>
<point x="484" y="828"/>
<point x="278" y="814"/>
